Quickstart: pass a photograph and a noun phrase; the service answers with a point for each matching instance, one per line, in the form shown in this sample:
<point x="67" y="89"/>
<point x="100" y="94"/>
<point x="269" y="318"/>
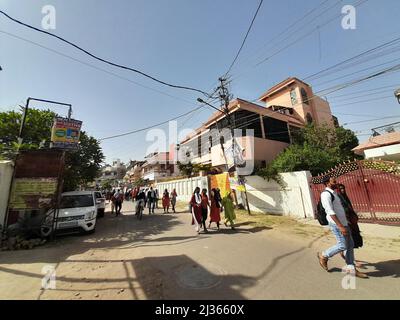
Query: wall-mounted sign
<point x="65" y="133"/>
<point x="33" y="193"/>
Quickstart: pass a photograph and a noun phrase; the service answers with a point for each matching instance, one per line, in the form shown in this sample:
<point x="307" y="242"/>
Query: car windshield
<point x="76" y="201"/>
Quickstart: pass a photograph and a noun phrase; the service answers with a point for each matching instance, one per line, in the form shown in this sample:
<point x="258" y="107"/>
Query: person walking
<point x="151" y="199"/>
<point x="174" y="195"/>
<point x="157" y="198"/>
<point x="112" y="201"/>
<point x="352" y="219"/>
<point x="119" y="198"/>
<point x="336" y="216"/>
<point x="195" y="205"/>
<point x="229" y="210"/>
<point x="204" y="208"/>
<point x="166" y="202"/>
<point x="215" y="209"/>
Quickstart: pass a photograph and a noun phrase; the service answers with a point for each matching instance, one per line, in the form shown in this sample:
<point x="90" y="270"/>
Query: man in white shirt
<point x="338" y="224"/>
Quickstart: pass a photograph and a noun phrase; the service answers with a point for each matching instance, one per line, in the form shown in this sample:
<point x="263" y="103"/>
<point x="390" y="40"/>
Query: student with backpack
<point x="331" y="212"/>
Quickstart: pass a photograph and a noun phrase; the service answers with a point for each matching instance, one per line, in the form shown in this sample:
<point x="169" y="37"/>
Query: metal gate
<point x="372" y="186"/>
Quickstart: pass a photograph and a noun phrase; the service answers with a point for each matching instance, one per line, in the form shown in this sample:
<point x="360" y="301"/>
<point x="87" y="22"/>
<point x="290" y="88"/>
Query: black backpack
<point x="321" y="214"/>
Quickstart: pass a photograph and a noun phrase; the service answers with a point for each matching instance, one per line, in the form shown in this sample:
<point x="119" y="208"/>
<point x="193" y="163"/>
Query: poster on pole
<point x="65" y="133"/>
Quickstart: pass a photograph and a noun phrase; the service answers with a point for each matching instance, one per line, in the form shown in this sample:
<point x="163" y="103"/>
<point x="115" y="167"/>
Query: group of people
<point x="200" y="204"/>
<point x="149" y="197"/>
<point x="116" y="198"/>
<point x="343" y="223"/>
<point x="168" y="200"/>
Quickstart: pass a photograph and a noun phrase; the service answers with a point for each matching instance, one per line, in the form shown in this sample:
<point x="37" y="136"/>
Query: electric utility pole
<point x="225" y="98"/>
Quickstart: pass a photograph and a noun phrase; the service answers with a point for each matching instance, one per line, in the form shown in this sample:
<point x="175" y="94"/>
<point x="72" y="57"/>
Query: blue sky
<point x="189" y="43"/>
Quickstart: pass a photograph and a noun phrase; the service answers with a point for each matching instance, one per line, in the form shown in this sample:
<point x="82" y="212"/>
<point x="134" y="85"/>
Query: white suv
<point x="78" y="212"/>
<point x="100" y="203"/>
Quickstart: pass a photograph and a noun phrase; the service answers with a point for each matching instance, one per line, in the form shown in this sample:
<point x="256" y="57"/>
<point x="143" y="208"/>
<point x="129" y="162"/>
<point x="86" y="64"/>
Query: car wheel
<point x="46" y="231"/>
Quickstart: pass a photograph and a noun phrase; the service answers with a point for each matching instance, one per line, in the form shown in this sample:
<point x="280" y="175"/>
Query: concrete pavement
<point x="162" y="257"/>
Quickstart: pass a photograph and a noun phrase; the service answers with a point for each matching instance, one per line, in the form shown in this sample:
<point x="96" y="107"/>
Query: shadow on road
<point x="111" y="232"/>
<point x="390" y="268"/>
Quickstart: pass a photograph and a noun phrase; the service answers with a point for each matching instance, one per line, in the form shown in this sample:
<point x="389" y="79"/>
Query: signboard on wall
<point x="33" y="193"/>
<point x="221" y="181"/>
<point x="65" y="133"/>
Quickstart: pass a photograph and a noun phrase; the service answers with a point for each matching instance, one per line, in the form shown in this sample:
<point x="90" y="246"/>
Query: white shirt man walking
<point x="338" y="224"/>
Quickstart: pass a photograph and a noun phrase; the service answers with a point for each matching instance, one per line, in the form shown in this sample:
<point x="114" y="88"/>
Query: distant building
<point x="384" y="146"/>
<point x="112" y="173"/>
<point x="287" y="106"/>
<point x="157" y="166"/>
<point x="134" y="171"/>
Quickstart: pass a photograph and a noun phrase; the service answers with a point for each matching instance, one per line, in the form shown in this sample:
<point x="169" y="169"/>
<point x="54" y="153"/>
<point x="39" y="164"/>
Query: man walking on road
<point x="151" y="200"/>
<point x="338" y="224"/>
<point x="119" y="198"/>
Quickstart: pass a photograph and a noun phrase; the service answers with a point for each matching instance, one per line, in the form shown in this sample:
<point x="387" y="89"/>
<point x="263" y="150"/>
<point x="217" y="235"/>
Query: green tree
<point x="81" y="166"/>
<point x="186" y="168"/>
<point x="106" y="185"/>
<point x="314" y="148"/>
<point x="189" y="169"/>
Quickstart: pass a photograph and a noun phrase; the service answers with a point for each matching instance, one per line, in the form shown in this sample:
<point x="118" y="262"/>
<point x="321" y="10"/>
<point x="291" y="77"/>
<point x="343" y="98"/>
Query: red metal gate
<point x="372" y="186"/>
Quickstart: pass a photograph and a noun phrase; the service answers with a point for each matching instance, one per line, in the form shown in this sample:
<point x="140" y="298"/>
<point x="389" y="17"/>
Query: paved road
<point x="162" y="257"/>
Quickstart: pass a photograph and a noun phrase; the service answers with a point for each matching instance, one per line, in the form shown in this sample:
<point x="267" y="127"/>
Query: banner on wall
<point x="222" y="182"/>
<point x="33" y="193"/>
<point x="65" y="133"/>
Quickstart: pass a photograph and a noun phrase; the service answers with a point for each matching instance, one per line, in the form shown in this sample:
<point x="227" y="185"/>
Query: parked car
<point x="78" y="212"/>
<point x="100" y="203"/>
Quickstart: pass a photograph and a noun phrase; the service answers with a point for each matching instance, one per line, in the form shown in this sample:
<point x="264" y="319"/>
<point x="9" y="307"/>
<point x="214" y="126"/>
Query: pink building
<point x="285" y="107"/>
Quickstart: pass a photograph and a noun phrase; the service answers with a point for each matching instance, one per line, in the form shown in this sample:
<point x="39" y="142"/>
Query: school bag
<point x="321" y="214"/>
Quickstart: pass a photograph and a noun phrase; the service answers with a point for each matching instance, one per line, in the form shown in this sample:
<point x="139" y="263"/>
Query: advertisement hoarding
<point x="65" y="133"/>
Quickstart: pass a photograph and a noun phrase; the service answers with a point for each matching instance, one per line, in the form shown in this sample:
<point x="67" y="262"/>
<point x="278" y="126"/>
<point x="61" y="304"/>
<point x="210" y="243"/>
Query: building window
<point x="276" y="130"/>
<point x="199" y="146"/>
<point x="293" y="96"/>
<point x="304" y="96"/>
<point x="210" y="138"/>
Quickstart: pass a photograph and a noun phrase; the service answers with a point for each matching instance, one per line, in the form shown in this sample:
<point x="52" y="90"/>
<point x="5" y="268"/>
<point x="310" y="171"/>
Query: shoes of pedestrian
<point x="323" y="261"/>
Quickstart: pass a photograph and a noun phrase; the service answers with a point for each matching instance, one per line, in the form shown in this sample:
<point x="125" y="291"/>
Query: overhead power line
<point x="286" y="31"/>
<point x="317" y="28"/>
<point x="244" y="40"/>
<point x="149" y="127"/>
<point x="364" y="53"/>
<point x="94" y="67"/>
<point x="367" y="90"/>
<point x="370" y="120"/>
<point x="101" y="59"/>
